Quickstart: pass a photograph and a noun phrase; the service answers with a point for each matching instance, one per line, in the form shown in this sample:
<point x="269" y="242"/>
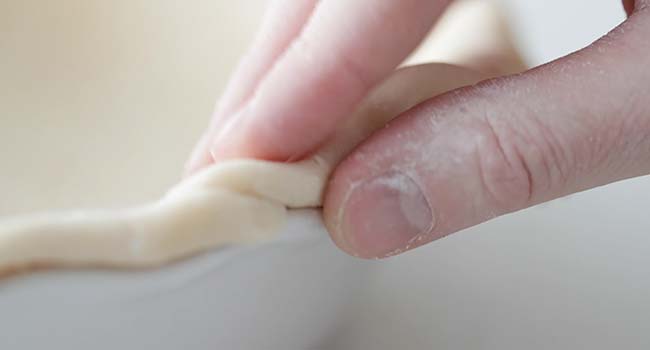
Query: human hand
<point x="498" y="147"/>
<point x="480" y="152"/>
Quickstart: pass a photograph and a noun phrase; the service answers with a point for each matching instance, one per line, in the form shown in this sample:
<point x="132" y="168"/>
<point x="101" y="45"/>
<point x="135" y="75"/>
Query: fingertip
<point x="232" y="142"/>
<point x="333" y="210"/>
<point x="376" y="216"/>
<point x="199" y="158"/>
<point x="232" y="139"/>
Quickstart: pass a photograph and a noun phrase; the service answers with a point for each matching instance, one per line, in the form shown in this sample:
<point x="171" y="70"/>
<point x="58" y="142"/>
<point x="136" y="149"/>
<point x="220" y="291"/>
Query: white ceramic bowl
<point x="287" y="294"/>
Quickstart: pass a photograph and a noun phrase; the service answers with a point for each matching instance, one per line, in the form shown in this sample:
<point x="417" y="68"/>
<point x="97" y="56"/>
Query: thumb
<point x="506" y="144"/>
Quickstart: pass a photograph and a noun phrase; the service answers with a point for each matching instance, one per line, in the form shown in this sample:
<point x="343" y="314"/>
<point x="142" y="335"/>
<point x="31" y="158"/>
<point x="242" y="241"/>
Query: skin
<point x="455" y="160"/>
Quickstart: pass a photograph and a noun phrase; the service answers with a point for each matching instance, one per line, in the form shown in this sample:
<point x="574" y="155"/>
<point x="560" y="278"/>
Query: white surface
<point x="569" y="274"/>
<point x="288" y="294"/>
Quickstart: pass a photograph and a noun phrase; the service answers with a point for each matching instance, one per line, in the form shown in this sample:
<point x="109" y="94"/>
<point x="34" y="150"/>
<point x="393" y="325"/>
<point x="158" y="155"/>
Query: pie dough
<point x="236" y="201"/>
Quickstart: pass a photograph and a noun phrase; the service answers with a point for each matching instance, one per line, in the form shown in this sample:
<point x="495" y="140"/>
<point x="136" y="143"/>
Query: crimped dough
<point x="145" y="236"/>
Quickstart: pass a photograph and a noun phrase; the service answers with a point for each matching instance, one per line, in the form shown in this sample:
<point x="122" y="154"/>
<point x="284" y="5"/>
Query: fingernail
<point x="199" y="158"/>
<point x="225" y="140"/>
<point x="385" y="215"/>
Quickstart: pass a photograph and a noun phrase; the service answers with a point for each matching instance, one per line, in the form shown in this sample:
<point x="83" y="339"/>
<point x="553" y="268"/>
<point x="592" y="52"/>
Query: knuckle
<point x="504" y="175"/>
<point x="521" y="165"/>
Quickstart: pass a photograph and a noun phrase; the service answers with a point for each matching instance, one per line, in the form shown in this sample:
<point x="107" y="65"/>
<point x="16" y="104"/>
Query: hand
<point x="469" y="156"/>
<point x="498" y="147"/>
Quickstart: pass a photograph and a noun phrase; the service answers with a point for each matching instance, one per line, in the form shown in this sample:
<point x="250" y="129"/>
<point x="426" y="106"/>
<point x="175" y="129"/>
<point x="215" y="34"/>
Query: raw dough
<point x="238" y="201"/>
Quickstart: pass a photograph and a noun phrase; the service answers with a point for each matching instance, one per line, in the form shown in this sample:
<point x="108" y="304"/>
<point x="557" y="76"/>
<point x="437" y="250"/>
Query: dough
<point x="237" y="201"/>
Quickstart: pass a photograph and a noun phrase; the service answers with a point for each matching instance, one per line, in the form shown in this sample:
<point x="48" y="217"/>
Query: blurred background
<point x="101" y="102"/>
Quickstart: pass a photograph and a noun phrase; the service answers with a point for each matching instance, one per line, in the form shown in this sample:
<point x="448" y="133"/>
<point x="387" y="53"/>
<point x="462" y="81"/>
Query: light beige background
<point x="100" y="102"/>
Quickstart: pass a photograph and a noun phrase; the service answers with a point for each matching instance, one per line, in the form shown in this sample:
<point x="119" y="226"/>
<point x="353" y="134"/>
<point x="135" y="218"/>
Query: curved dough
<point x="237" y="201"/>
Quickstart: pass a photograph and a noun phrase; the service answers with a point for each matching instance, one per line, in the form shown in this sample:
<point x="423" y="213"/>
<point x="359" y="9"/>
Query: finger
<point x="503" y="145"/>
<point x="282" y="22"/>
<point x="343" y="51"/>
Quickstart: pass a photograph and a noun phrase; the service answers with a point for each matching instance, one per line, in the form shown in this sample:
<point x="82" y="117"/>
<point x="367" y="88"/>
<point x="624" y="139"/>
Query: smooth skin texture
<point x="455" y="160"/>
